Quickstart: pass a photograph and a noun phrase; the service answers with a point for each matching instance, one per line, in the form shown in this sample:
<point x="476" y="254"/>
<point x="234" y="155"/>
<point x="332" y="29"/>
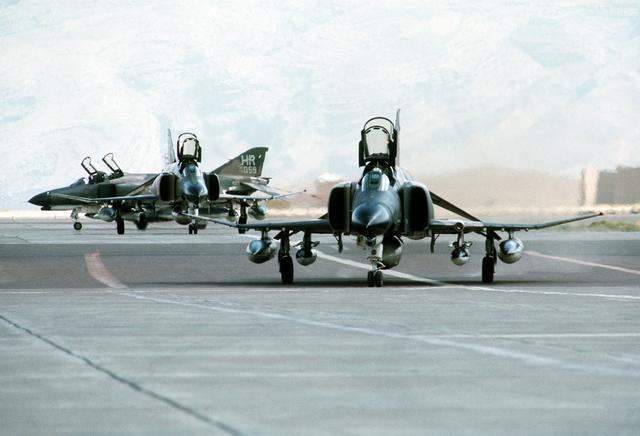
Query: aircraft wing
<point x="439" y="201"/>
<point x="273" y="196"/>
<point x="320" y="225"/>
<point x="89" y="200"/>
<point x="453" y="226"/>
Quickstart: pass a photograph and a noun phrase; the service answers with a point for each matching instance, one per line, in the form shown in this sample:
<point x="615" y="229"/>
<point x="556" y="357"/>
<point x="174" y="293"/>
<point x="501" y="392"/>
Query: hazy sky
<point x="543" y="85"/>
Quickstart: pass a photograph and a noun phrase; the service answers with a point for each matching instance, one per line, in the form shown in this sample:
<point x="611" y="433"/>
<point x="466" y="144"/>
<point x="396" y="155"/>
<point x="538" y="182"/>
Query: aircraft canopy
<point x="189" y="147"/>
<point x="378" y="141"/>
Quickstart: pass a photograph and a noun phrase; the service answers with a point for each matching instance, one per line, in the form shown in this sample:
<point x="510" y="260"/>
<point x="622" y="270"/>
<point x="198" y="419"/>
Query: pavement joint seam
<point x="129" y="383"/>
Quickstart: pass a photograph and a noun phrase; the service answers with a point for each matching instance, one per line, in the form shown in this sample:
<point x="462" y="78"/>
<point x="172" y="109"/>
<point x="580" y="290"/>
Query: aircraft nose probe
<point x="371" y="220"/>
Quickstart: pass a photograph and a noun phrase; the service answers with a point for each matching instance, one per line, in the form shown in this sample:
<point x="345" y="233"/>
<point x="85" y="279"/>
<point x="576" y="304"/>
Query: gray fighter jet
<point x="180" y="187"/>
<point x="183" y="187"/>
<point x="109" y="197"/>
<point x="382" y="207"/>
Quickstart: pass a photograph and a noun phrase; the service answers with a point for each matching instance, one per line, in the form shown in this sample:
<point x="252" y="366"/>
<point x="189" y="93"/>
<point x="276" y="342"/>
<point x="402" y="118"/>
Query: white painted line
<point x="441" y="284"/>
<point x="99" y="271"/>
<point x="585" y="263"/>
<point x="527" y="358"/>
<point x="540" y="335"/>
<point x="393" y="273"/>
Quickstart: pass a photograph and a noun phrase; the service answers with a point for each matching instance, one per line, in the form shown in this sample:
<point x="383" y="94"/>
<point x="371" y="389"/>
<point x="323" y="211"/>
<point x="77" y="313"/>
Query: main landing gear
<point x="284" y="259"/>
<point x="193" y="229"/>
<point x="120" y="225"/>
<point x="489" y="261"/>
<point x="242" y="219"/>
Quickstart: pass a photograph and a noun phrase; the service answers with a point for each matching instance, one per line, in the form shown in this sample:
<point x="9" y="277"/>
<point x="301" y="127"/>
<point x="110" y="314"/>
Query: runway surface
<point x="160" y="332"/>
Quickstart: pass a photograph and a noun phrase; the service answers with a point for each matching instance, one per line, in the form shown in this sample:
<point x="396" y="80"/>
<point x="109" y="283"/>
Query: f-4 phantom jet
<point x="382" y="207"/>
<point x="180" y="187"/>
<point x="109" y="197"/>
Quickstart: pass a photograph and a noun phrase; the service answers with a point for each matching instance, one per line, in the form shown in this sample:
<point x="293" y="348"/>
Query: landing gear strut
<point x="285" y="260"/>
<point x="489" y="261"/>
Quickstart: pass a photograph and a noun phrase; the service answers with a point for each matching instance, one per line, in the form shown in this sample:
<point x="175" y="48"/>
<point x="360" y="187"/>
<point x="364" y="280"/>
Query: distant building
<point x="621" y="186"/>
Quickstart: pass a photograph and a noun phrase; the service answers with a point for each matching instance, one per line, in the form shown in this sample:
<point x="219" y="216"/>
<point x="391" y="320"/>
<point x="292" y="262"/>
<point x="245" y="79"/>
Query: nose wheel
<point x="375" y="279"/>
<point x="77" y="225"/>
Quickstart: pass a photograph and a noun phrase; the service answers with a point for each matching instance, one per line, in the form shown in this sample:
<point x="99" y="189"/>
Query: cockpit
<point x="189" y="148"/>
<point x="375" y="180"/>
<point x="378" y="141"/>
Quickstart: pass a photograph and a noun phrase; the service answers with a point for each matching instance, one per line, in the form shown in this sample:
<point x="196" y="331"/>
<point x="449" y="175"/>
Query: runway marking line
<point x="528" y="358"/>
<point x="95" y="266"/>
<point x="441" y="284"/>
<point x="585" y="263"/>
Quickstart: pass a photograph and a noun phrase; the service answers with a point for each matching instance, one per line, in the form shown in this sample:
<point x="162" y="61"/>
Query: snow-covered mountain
<point x="551" y="86"/>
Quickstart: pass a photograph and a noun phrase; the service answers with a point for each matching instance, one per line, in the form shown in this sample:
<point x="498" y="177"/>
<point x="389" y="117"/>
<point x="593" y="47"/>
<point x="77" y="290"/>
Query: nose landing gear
<point x="375" y="276"/>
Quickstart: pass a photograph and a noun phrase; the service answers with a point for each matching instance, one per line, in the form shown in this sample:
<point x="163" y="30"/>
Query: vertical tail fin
<point x="397" y="126"/>
<point x="248" y="163"/>
<point x="170" y="157"/>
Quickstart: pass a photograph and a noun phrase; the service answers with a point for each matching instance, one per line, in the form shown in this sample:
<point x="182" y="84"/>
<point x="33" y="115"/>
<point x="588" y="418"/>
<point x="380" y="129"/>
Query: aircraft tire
<point x="141" y="222"/>
<point x="488" y="269"/>
<point x="378" y="279"/>
<point x="370" y="279"/>
<point x="242" y="220"/>
<point x="120" y="226"/>
<point x="77" y="225"/>
<point x="286" y="269"/>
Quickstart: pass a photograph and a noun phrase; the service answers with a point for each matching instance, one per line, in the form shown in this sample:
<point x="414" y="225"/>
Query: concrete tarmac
<point x="161" y="332"/>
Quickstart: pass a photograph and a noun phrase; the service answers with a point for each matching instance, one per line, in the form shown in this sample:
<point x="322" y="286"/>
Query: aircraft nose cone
<point x="371" y="220"/>
<point x="39" y="200"/>
<point x="195" y="192"/>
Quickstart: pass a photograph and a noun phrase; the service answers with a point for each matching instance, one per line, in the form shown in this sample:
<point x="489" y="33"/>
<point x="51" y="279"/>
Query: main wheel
<point x="141" y="222"/>
<point x="120" y="226"/>
<point x="488" y="269"/>
<point x="370" y="279"/>
<point x="378" y="278"/>
<point x="77" y="225"/>
<point x="242" y="220"/>
<point x="286" y="269"/>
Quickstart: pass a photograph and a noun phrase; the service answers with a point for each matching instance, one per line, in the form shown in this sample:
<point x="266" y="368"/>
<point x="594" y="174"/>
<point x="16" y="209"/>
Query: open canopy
<point x="378" y="141"/>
